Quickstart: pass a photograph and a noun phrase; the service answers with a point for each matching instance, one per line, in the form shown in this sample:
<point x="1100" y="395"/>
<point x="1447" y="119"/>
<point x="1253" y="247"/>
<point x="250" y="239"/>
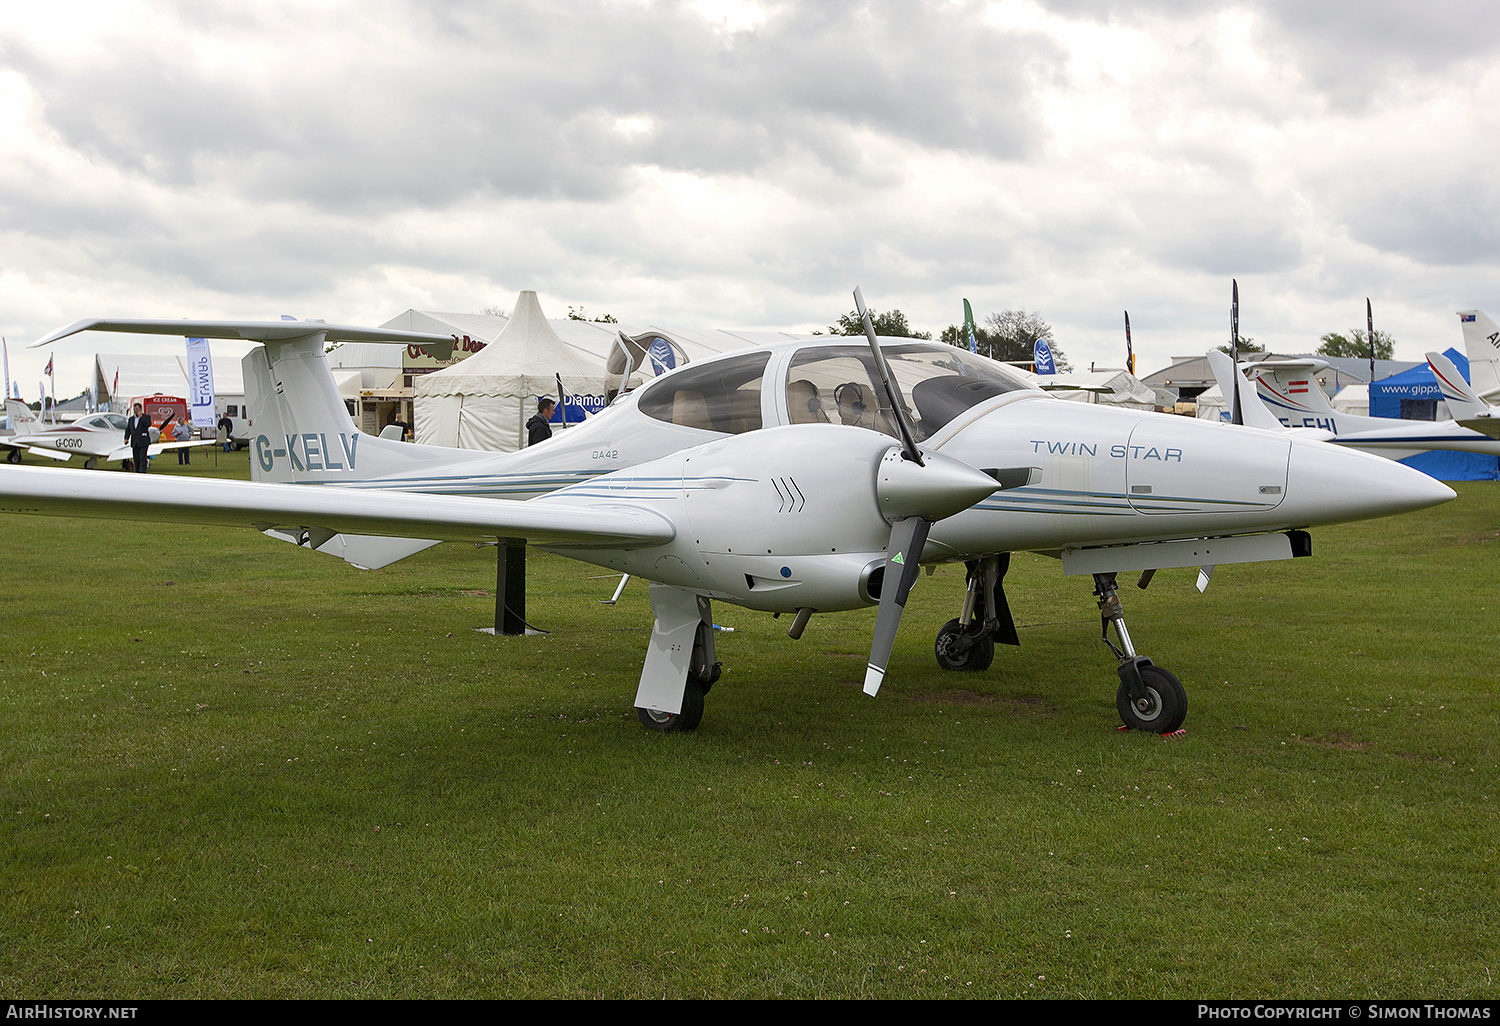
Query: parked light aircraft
<point x="1289" y="387"/>
<point x="95" y="437"/>
<point x="809" y="476"/>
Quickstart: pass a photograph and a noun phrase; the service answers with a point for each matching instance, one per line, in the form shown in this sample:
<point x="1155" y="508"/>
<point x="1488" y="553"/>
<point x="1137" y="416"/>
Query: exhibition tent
<point x="484" y="401"/>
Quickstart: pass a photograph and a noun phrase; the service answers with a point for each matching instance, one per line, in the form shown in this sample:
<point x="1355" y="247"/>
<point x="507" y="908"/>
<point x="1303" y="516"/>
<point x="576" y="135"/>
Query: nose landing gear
<point x="1149" y="698"/>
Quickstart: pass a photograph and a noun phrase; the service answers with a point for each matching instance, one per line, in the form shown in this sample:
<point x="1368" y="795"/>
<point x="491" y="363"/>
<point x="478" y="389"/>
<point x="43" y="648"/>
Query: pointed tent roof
<point x="526" y="348"/>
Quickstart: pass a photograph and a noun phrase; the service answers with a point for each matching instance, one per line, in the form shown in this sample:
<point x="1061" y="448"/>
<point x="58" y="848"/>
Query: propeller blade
<point x="903" y="420"/>
<point x="905" y="554"/>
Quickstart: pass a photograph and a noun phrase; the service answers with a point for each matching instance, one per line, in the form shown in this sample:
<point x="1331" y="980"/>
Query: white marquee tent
<point x="483" y="402"/>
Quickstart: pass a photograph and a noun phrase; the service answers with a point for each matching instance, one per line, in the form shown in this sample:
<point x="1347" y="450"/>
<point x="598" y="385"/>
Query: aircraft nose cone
<point x="941" y="488"/>
<point x="1330" y="484"/>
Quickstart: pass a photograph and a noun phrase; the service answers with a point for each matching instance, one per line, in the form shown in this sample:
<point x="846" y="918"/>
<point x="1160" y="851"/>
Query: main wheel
<point x="91" y="463"/>
<point x="975" y="658"/>
<point x="1163" y="708"/>
<point x="14" y="456"/>
<point x="688" y="719"/>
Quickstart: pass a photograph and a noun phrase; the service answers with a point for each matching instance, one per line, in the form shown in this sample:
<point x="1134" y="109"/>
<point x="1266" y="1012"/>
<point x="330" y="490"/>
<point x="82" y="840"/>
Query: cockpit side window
<point x="722" y="396"/>
<point x="840" y="385"/>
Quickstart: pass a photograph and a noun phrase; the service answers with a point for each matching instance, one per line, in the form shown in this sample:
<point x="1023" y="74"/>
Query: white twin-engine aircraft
<point x="810" y="476"/>
<point x="99" y="436"/>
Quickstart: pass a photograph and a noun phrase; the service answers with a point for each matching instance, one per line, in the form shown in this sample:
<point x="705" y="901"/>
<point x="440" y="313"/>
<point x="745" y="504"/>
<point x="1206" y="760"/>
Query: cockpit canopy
<point x="832" y="384"/>
<point x="840" y="385"/>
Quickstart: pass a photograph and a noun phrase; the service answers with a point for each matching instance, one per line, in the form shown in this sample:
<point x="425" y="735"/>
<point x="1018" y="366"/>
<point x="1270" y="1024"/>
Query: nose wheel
<point x="1149" y="698"/>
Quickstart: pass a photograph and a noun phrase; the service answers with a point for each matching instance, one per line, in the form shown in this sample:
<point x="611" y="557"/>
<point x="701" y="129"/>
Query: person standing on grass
<point x="138" y="434"/>
<point x="183" y="433"/>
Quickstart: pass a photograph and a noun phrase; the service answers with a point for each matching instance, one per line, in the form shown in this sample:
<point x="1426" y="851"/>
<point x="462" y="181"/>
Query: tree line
<point x="1008" y="336"/>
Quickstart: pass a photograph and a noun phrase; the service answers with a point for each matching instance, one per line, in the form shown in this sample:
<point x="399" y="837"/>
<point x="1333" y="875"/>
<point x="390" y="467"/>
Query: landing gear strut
<point x="680" y="663"/>
<point x="968" y="643"/>
<point x="1149" y="698"/>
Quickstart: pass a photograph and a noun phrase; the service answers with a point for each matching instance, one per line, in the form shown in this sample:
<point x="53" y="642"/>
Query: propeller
<point x="915" y="489"/>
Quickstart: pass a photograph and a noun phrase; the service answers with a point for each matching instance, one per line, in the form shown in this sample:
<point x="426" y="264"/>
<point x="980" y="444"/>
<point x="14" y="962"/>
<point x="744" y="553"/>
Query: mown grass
<point x="233" y="768"/>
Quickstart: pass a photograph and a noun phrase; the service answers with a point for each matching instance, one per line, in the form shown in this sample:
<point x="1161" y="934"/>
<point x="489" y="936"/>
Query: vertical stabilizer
<point x="303" y="431"/>
<point x="1292" y="391"/>
<point x="1482" y="345"/>
<point x="22" y="417"/>
<point x="1231" y="379"/>
<point x="1462" y="402"/>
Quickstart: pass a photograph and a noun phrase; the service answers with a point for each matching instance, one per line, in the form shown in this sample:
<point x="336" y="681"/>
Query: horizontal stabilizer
<point x="440" y="346"/>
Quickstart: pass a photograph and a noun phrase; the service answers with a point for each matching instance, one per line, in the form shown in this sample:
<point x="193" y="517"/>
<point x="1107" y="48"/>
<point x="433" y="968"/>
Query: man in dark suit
<point x="138" y="434"/>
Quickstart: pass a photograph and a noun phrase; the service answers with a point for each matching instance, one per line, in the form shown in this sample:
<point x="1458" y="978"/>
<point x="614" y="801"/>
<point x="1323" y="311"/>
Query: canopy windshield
<point x="840" y="385"/>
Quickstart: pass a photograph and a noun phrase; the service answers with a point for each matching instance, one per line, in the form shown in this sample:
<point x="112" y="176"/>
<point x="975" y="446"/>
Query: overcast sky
<point x="730" y="163"/>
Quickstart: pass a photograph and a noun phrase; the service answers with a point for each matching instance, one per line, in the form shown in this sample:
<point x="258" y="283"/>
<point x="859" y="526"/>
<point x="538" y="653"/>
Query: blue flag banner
<point x="661" y="356"/>
<point x="1043" y="357"/>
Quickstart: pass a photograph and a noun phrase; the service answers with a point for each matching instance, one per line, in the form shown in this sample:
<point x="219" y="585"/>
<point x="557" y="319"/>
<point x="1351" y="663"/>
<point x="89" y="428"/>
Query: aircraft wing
<point x="263" y="506"/>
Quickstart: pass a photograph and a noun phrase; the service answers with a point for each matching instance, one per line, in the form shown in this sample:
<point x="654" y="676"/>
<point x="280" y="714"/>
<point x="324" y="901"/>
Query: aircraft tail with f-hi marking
<point x="1291" y="389"/>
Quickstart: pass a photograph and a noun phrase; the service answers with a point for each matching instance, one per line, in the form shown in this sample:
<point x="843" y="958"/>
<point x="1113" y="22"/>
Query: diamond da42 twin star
<point x="810" y="476"/>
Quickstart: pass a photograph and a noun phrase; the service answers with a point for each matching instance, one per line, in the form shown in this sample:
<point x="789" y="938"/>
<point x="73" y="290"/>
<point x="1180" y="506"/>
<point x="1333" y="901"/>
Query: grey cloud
<point x="519" y="100"/>
<point x="1352" y="52"/>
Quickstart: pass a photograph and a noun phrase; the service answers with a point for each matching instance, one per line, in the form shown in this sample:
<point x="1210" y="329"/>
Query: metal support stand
<point x="510" y="586"/>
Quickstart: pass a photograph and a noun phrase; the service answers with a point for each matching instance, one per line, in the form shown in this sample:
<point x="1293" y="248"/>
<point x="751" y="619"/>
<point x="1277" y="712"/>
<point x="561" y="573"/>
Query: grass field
<point x="233" y="768"/>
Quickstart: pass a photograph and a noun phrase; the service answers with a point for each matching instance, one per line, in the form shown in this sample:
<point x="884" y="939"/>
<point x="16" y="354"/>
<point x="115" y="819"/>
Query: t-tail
<point x="1292" y="391"/>
<point x="1482" y="344"/>
<point x="303" y="431"/>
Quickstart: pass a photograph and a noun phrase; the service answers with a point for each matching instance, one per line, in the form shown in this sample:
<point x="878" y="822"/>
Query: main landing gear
<point x="1149" y="697"/>
<point x="968" y="643"/>
<point x="680" y="663"/>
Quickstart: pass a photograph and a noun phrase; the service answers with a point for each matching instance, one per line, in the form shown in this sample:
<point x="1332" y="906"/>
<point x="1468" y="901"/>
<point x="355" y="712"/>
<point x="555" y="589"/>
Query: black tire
<point x="1163" y="709"/>
<point x="667" y="723"/>
<point x="974" y="659"/>
<point x="14" y="456"/>
<point x="91" y="463"/>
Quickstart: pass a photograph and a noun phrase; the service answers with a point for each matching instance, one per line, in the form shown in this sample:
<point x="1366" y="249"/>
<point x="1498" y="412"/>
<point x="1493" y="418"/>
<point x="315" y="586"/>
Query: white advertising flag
<point x="200" y="367"/>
